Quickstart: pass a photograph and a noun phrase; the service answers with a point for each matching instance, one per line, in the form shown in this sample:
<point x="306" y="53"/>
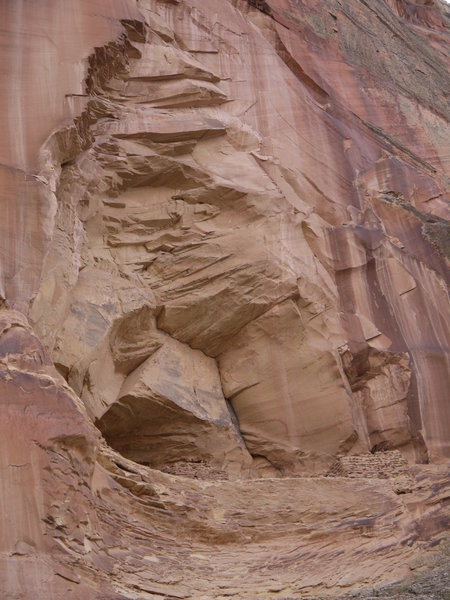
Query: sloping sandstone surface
<point x="224" y="323"/>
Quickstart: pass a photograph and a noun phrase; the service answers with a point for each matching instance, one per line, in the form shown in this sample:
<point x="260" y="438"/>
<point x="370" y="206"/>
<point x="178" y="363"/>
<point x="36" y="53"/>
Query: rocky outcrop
<point x="172" y="407"/>
<point x="224" y="249"/>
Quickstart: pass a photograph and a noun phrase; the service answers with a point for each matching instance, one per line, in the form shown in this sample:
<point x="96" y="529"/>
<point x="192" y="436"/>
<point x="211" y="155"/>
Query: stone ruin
<point x="382" y="465"/>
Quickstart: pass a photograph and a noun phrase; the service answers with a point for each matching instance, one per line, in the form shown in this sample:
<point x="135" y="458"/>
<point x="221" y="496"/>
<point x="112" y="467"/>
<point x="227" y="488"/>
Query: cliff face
<point x="223" y="264"/>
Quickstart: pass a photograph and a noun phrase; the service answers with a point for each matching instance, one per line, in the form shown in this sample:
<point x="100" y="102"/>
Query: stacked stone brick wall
<point x="383" y="465"/>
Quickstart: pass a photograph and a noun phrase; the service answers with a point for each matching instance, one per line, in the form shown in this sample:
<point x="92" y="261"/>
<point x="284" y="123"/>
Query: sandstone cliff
<point x="224" y="326"/>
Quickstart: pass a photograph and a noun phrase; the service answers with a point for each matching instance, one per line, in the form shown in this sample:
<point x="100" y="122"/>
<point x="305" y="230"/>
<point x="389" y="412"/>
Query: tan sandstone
<point x="224" y="326"/>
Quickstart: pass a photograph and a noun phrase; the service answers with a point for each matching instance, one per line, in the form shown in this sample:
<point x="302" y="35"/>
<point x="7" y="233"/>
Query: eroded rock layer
<point x="224" y="332"/>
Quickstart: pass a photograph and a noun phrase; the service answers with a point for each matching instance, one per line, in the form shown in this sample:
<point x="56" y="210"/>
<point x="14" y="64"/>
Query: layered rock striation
<point x="223" y="277"/>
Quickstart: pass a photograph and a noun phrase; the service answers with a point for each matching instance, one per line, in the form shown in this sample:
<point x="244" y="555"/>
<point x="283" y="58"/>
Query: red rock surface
<point x="223" y="284"/>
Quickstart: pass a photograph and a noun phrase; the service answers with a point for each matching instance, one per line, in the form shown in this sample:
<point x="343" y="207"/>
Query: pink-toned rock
<point x="224" y="243"/>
